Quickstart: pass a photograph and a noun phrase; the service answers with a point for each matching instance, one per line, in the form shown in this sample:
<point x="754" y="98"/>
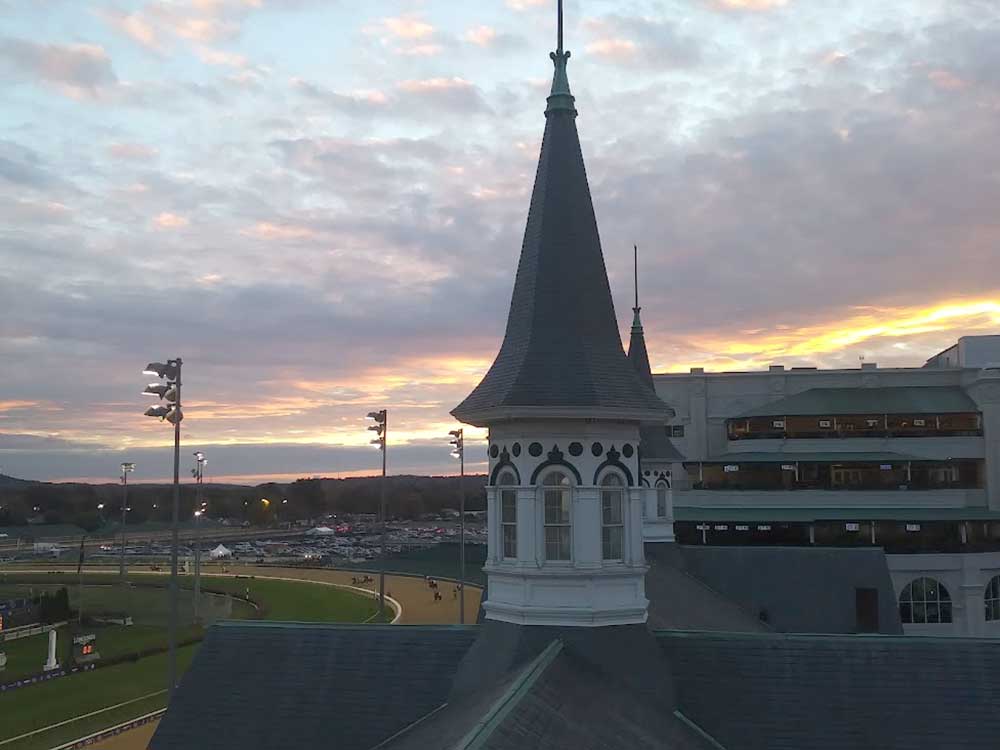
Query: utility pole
<point x="127" y="468"/>
<point x="458" y="441"/>
<point x="199" y="511"/>
<point x="381" y="427"/>
<point x="170" y="393"/>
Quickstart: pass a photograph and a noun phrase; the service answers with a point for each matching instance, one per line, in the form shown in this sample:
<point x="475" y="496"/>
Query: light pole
<point x="458" y="443"/>
<point x="381" y="427"/>
<point x="127" y="468"/>
<point x="170" y="393"/>
<point x="198" y="472"/>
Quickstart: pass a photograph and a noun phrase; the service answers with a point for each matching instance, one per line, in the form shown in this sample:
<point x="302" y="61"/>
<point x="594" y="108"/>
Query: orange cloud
<point x="866" y="326"/>
<point x="167" y="220"/>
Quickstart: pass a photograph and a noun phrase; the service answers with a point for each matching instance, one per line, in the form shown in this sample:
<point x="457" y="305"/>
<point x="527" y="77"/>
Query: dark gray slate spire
<point x="637" y="353"/>
<point x="561" y="354"/>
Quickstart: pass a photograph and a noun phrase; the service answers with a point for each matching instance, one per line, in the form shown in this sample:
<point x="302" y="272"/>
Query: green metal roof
<point x="901" y="400"/>
<point x="809" y="515"/>
<point x="783" y="457"/>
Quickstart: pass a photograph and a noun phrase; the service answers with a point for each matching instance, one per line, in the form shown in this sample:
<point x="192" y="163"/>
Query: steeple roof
<point x="561" y="354"/>
<point x="637" y="353"/>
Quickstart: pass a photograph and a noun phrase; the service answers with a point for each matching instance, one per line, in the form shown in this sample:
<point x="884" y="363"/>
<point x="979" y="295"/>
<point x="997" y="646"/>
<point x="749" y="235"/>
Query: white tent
<point x="220" y="552"/>
<point x="320" y="531"/>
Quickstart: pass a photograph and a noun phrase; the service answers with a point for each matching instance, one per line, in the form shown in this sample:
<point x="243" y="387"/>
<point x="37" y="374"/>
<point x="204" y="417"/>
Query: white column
<point x="50" y="662"/>
<point x="586" y="520"/>
<point x="637" y="498"/>
<point x="529" y="534"/>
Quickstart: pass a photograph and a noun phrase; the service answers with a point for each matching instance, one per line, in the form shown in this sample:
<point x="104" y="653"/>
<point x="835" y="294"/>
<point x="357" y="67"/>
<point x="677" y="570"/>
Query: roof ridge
<point x="477" y="737"/>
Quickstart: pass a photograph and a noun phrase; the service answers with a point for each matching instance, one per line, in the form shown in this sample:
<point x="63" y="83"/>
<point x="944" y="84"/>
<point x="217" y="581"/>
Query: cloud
<point x="167" y="220"/>
<point x="643" y="42"/>
<point x="132" y="151"/>
<point x="409" y="35"/>
<point x="749" y="5"/>
<point x="77" y="70"/>
<point x="482" y="36"/>
<point x="408" y="27"/>
<point x="521" y="5"/>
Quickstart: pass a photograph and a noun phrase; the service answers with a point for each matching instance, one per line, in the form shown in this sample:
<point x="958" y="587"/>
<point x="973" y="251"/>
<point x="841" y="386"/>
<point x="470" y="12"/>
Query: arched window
<point x="924" y="600"/>
<point x="508" y="515"/>
<point x="993" y="599"/>
<point x="612" y="517"/>
<point x="557" y="499"/>
<point x="661" y="499"/>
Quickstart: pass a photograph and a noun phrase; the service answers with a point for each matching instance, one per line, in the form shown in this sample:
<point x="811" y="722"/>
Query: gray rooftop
<point x="799" y="589"/>
<point x="561" y="350"/>
<point x="280" y="685"/>
<point x="782" y="692"/>
<point x="899" y="400"/>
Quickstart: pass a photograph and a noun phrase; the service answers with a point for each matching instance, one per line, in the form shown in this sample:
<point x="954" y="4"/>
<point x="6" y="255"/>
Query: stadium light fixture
<point x="458" y="451"/>
<point x="381" y="428"/>
<point x="170" y="411"/>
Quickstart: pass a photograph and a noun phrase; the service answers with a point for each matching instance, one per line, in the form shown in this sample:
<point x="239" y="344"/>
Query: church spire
<point x="637" y="353"/>
<point x="560" y="97"/>
<point x="562" y="351"/>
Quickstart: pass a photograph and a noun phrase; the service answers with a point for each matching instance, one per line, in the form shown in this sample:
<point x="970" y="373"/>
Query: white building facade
<point x="903" y="458"/>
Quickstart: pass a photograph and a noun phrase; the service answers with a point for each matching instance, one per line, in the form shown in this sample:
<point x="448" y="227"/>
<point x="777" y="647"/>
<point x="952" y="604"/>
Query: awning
<point x="822" y="402"/>
<point x="811" y="515"/>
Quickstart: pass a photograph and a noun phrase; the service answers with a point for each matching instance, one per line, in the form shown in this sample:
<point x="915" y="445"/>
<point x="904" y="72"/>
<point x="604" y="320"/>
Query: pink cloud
<point x="167" y="220"/>
<point x="482" y="36"/>
<point x="616" y="49"/>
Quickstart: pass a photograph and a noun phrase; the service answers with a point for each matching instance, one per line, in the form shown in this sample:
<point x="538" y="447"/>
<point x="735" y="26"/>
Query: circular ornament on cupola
<point x="535" y="449"/>
<point x="516" y="449"/>
<point x="597" y="449"/>
<point x="576" y="449"/>
<point x="627" y="450"/>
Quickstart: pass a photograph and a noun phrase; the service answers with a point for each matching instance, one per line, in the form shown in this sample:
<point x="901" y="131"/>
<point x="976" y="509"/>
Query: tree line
<point x="408" y="497"/>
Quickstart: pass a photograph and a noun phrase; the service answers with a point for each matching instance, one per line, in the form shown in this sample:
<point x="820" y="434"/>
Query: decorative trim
<point x="556" y="459"/>
<point x="504" y="463"/>
<point x="614" y="459"/>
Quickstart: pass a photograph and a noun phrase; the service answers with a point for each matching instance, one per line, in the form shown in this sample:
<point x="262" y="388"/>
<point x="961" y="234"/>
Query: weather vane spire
<point x="559" y="46"/>
<point x="635" y="248"/>
<point x="560" y="98"/>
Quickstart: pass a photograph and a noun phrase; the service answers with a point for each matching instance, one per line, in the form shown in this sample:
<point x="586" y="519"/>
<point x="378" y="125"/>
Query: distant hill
<point x="6" y="481"/>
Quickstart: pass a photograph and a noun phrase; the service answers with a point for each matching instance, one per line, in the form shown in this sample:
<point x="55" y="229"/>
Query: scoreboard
<point x="85" y="648"/>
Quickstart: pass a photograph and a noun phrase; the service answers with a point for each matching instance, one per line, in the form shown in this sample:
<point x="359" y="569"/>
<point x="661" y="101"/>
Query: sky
<point x="319" y="205"/>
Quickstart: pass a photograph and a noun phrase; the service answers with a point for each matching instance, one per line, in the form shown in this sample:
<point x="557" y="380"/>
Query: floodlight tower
<point x="127" y="468"/>
<point x="381" y="428"/>
<point x="198" y="472"/>
<point x="170" y="393"/>
<point x="458" y="445"/>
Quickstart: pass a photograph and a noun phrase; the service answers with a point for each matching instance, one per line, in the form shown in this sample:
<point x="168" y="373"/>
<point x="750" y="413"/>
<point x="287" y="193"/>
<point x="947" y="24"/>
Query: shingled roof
<point x="260" y="686"/>
<point x="561" y="351"/>
<point x="790" y="692"/>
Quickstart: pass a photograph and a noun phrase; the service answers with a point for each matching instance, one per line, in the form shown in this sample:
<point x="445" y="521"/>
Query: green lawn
<point x="68" y="697"/>
<point x="42" y="705"/>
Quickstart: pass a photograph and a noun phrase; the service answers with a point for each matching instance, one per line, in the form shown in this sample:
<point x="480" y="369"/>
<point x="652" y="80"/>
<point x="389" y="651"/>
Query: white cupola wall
<point x="565" y="524"/>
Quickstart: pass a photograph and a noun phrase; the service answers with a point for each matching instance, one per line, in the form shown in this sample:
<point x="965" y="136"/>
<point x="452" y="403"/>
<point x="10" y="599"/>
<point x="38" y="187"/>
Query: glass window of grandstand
<point x="508" y="515"/>
<point x="855" y="425"/>
<point x="661" y="500"/>
<point x="992" y="598"/>
<point x="557" y="498"/>
<point x="841" y="476"/>
<point x="924" y="600"/>
<point x="612" y="517"/>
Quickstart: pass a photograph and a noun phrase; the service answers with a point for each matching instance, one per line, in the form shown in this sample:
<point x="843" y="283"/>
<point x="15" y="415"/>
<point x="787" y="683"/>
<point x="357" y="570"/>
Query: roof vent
<point x="776" y="368"/>
<point x="697" y="370"/>
<point x="869" y="365"/>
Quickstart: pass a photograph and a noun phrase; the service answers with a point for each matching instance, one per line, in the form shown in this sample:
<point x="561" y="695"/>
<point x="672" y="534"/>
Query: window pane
<point x="933" y="613"/>
<point x="611" y="542"/>
<point x="919" y="612"/>
<point x="556" y="479"/>
<point x="509" y="540"/>
<point x="945" y="611"/>
<point x="611" y="503"/>
<point x="506" y="479"/>
<point x="557" y="543"/>
<point x="556" y="506"/>
<point x="508" y="506"/>
<point x="661" y="501"/>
